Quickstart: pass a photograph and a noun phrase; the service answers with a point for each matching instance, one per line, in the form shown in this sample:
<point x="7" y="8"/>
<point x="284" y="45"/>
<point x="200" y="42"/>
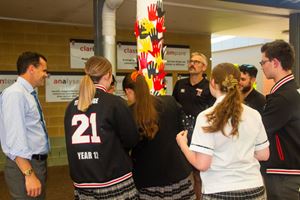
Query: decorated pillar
<point x="149" y="29"/>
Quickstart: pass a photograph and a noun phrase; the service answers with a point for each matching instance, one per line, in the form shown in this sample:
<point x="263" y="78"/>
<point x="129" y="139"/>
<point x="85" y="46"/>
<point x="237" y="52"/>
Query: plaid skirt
<point x="182" y="190"/>
<point x="258" y="193"/>
<point x="124" y="190"/>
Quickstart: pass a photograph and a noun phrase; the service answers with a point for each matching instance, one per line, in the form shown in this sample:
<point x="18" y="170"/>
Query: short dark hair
<point x="248" y="69"/>
<point x="26" y="59"/>
<point x="280" y="50"/>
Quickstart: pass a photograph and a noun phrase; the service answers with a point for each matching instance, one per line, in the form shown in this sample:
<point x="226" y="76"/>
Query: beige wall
<point x="53" y="42"/>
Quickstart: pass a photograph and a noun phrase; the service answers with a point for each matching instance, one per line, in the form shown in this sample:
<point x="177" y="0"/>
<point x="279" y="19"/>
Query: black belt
<point x="39" y="156"/>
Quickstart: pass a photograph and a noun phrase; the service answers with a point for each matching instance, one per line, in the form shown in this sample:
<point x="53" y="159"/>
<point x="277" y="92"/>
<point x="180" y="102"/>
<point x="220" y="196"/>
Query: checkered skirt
<point x="182" y="190"/>
<point x="258" y="193"/>
<point x="124" y="190"/>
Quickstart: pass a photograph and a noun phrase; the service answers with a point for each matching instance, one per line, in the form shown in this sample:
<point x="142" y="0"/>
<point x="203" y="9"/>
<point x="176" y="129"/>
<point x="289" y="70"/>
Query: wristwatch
<point x="28" y="172"/>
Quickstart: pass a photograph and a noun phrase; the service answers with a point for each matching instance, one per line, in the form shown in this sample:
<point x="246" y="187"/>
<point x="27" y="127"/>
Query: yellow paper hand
<point x="148" y="26"/>
<point x="145" y="45"/>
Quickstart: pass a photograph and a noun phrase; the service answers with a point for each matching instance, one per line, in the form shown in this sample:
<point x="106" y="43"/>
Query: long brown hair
<point x="226" y="77"/>
<point x="95" y="68"/>
<point x="144" y="110"/>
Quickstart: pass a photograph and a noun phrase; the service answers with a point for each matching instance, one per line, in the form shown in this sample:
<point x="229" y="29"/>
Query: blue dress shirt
<point x="22" y="132"/>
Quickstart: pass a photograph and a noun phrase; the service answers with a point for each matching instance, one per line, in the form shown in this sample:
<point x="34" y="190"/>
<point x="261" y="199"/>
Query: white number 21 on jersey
<point x="78" y="137"/>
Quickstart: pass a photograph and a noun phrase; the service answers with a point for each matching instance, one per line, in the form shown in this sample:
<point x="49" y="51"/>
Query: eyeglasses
<point x="263" y="62"/>
<point x="197" y="62"/>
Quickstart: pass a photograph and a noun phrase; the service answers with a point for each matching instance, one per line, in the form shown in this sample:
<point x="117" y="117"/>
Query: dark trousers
<point x="16" y="182"/>
<point x="282" y="187"/>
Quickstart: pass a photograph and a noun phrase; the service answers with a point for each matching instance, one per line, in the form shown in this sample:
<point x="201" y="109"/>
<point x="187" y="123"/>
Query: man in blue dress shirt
<point x="23" y="135"/>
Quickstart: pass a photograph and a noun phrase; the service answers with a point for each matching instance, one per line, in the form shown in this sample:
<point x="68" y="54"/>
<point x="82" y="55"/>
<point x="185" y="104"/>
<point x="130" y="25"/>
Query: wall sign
<point x="7" y="80"/>
<point x="177" y="56"/>
<point x="80" y="52"/>
<point x="62" y="88"/>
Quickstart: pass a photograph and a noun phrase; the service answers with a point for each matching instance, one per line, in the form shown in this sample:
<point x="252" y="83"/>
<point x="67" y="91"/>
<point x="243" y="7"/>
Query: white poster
<point x="80" y="52"/>
<point x="7" y="80"/>
<point x="119" y="88"/>
<point x="126" y="56"/>
<point x="176" y="56"/>
<point x="169" y="84"/>
<point x="62" y="88"/>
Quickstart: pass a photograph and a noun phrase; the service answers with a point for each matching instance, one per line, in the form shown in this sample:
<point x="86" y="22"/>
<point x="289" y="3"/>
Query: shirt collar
<point x="219" y="99"/>
<point x="281" y="82"/>
<point x="25" y="84"/>
<point x="101" y="87"/>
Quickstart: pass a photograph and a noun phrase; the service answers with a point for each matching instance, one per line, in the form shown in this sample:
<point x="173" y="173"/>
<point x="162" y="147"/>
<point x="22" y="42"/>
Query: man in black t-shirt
<point x="252" y="97"/>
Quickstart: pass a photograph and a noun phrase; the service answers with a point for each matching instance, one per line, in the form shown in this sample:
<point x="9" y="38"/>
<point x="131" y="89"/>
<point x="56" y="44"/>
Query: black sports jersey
<point x="255" y="100"/>
<point x="96" y="141"/>
<point x="193" y="98"/>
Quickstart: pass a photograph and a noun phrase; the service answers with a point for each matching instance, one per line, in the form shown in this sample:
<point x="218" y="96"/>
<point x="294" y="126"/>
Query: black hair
<point x="26" y="59"/>
<point x="248" y="69"/>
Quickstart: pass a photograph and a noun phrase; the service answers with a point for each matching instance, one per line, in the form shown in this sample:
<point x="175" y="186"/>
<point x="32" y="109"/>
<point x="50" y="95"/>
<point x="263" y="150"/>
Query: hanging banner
<point x="80" y="52"/>
<point x="7" y="80"/>
<point x="176" y="56"/>
<point x="62" y="88"/>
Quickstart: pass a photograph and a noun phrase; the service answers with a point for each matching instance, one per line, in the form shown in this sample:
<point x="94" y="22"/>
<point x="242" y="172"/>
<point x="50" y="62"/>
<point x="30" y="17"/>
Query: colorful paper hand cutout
<point x="152" y="16"/>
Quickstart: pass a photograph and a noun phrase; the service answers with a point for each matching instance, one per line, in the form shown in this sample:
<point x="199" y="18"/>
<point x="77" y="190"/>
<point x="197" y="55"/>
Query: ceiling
<point x="188" y="16"/>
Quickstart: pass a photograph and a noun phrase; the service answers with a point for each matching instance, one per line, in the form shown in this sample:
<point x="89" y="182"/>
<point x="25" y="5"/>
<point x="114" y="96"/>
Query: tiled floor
<point x="59" y="184"/>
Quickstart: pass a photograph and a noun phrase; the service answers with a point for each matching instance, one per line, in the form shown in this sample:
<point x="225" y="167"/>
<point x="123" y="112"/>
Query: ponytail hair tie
<point x="230" y="82"/>
<point x="135" y="74"/>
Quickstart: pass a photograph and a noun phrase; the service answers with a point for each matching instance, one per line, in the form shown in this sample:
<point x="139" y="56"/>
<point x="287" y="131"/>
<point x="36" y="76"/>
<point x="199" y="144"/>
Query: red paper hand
<point x="160" y="25"/>
<point x="143" y="60"/>
<point x="152" y="16"/>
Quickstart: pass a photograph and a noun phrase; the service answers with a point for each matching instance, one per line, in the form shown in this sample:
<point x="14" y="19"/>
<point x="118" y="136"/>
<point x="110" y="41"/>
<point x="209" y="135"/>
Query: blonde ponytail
<point x="86" y="93"/>
<point x="95" y="68"/>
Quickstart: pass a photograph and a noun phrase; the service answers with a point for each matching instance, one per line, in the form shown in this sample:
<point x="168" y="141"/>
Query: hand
<point x="181" y="138"/>
<point x="160" y="11"/>
<point x="152" y="12"/>
<point x="151" y="68"/>
<point x="146" y="45"/>
<point x="33" y="185"/>
<point x="159" y="61"/>
<point x="143" y="60"/>
<point x="160" y="25"/>
<point x="158" y="81"/>
<point x="147" y="25"/>
<point x="154" y="35"/>
<point x="138" y="30"/>
<point x="156" y="49"/>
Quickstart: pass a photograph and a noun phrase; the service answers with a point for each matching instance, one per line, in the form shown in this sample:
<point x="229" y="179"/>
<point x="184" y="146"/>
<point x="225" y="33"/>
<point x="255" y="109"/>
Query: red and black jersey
<point x="281" y="118"/>
<point x="97" y="140"/>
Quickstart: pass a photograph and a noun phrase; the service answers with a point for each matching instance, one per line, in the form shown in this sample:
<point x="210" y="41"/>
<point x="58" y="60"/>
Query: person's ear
<point x="107" y="76"/>
<point x="30" y="69"/>
<point x="204" y="68"/>
<point x="253" y="80"/>
<point x="126" y="91"/>
<point x="212" y="82"/>
<point x="276" y="62"/>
